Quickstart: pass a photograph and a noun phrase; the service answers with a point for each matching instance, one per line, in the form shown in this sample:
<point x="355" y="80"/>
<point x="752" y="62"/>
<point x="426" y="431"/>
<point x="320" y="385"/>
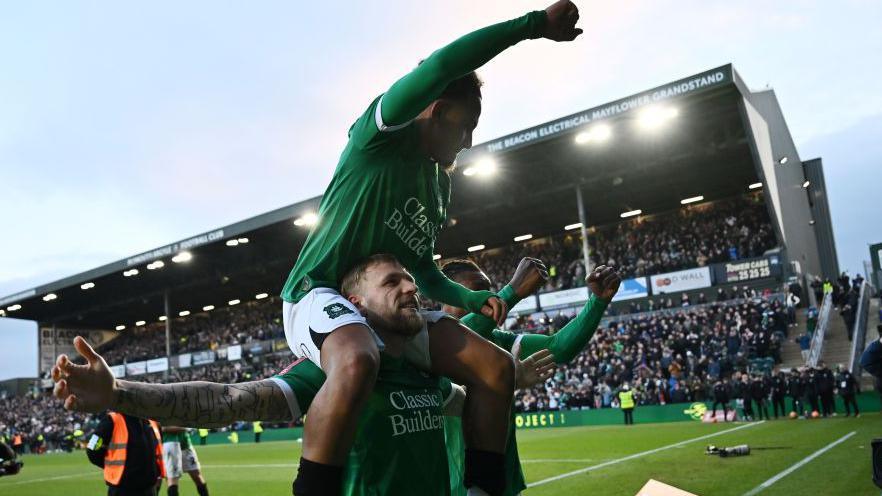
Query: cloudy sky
<point x="124" y="126"/>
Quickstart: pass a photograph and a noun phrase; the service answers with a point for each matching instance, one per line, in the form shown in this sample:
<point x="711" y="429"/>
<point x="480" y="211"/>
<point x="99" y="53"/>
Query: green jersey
<point x="399" y="445"/>
<point x="565" y="345"/>
<point x="387" y="195"/>
<point x="177" y="437"/>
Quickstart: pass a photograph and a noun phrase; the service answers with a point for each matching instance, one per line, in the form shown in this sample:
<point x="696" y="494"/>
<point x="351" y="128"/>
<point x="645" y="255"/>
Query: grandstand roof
<point x="699" y="146"/>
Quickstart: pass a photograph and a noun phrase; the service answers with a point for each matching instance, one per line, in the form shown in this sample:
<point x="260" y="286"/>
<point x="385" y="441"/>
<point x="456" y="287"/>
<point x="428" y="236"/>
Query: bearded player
<point x="389" y="194"/>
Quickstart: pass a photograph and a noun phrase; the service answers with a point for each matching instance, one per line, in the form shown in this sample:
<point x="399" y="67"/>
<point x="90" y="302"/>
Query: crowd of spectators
<point x="44" y="425"/>
<point x="696" y="236"/>
<point x="667" y="356"/>
<point x="241" y="324"/>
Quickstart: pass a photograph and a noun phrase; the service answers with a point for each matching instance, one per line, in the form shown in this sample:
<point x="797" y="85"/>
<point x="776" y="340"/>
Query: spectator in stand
<point x="796" y="389"/>
<point x="826" y="387"/>
<point x="779" y="391"/>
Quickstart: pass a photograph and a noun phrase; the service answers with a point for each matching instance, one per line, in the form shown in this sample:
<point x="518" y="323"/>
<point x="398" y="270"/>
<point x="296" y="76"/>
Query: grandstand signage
<point x="564" y="297"/>
<point x="184" y="360"/>
<point x="632" y="288"/>
<point x="525" y="305"/>
<point x="682" y="280"/>
<point x="202" y="357"/>
<point x="136" y="368"/>
<point x="60" y="342"/>
<point x="748" y="270"/>
<point x="174" y="248"/>
<point x="700" y="82"/>
<point x="157" y="365"/>
<point x="234" y="352"/>
<point x="118" y="370"/>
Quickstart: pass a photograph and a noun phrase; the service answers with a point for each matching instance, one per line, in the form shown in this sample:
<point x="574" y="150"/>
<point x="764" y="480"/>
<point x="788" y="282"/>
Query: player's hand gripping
<point x="535" y="369"/>
<point x="495" y="309"/>
<point x="604" y="282"/>
<point x="560" y="23"/>
<point x="530" y="275"/>
<point x="83" y="388"/>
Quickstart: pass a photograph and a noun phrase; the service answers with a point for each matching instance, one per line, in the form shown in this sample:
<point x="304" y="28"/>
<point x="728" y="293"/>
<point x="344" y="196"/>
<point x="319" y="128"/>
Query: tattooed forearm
<point x="202" y="404"/>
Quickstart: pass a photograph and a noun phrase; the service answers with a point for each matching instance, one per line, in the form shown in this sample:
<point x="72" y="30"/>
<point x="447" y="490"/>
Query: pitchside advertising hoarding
<point x="682" y="280"/>
<point x="748" y="270"/>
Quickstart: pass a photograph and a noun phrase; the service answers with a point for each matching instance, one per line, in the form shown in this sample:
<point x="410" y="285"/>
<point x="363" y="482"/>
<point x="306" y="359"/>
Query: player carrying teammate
<point x="389" y="194"/>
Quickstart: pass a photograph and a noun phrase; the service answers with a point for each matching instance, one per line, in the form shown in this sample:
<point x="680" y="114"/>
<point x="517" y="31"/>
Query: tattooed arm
<point x="92" y="388"/>
<point x="202" y="404"/>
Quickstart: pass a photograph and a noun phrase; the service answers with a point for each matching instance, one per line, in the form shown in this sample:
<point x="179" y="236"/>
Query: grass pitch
<point x="573" y="460"/>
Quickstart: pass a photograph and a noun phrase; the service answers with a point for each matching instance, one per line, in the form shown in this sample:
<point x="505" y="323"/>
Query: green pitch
<point x="575" y="460"/>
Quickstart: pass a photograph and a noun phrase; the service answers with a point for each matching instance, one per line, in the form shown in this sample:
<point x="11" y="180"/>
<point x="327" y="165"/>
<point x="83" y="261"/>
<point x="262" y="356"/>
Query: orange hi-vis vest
<point x="115" y="458"/>
<point x="16" y="440"/>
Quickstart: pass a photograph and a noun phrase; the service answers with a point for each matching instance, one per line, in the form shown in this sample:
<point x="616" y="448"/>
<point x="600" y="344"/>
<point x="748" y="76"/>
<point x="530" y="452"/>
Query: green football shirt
<point x="387" y="195"/>
<point x="399" y="446"/>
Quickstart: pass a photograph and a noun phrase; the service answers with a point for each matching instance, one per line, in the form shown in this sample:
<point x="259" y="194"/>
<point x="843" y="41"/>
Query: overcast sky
<point x="124" y="126"/>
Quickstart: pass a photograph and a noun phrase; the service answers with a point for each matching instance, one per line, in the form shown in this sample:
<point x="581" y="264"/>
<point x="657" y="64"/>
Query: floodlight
<point x="260" y="296"/>
<point x="523" y="237"/>
<point x="130" y="273"/>
<point x="595" y="134"/>
<point x="156" y="265"/>
<point x="806" y="184"/>
<point x="163" y="318"/>
<point x="13" y="307"/>
<point x="475" y="248"/>
<point x="184" y="313"/>
<point x="50" y="297"/>
<point x="208" y="308"/>
<point x="630" y="213"/>
<point x="184" y="256"/>
<point x="120" y="327"/>
<point x="686" y="201"/>
<point x="243" y="241"/>
<point x="232" y="242"/>
<point x="87" y="285"/>
<point x="140" y="323"/>
<point x="654" y="116"/>
<point x="755" y="186"/>
<point x="307" y="219"/>
<point x="233" y="302"/>
<point x="570" y="227"/>
<point x="436" y="257"/>
<point x="484" y="167"/>
<point x="783" y="160"/>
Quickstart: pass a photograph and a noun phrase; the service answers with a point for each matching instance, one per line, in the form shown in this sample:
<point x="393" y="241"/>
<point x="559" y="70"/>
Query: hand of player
<point x="535" y="369"/>
<point x="530" y="275"/>
<point x="83" y="388"/>
<point x="560" y="23"/>
<point x="495" y="309"/>
<point x="604" y="282"/>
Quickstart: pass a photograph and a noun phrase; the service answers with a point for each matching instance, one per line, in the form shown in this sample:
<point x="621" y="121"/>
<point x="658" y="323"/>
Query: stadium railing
<point x="817" y="345"/>
<point x="859" y="333"/>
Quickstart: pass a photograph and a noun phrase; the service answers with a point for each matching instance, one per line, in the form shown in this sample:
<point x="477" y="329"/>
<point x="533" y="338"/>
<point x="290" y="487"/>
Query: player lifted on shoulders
<point x="389" y="194"/>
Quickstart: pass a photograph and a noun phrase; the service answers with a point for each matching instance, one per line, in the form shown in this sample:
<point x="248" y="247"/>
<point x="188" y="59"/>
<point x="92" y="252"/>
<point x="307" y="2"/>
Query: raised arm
<point x="572" y="338"/>
<point x="92" y="388"/>
<point x="529" y="276"/>
<point x="437" y="286"/>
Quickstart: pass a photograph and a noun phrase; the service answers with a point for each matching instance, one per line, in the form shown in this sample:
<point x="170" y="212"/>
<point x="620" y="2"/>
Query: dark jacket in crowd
<point x="846" y="383"/>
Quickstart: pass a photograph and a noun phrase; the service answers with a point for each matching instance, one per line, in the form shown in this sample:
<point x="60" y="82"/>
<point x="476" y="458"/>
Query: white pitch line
<point x="797" y="465"/>
<point x="641" y="454"/>
<point x="559" y="460"/>
<point x="96" y="473"/>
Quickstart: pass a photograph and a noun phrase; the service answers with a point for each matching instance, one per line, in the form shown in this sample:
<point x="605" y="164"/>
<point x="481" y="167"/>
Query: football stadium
<point x="726" y="361"/>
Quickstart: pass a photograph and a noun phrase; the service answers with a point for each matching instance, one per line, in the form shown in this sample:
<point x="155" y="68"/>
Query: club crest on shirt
<point x="335" y="310"/>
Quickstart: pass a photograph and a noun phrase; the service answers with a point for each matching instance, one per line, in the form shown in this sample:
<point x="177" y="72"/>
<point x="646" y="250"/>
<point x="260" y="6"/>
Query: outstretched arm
<point x="414" y="92"/>
<point x="92" y="388"/>
<point x="202" y="404"/>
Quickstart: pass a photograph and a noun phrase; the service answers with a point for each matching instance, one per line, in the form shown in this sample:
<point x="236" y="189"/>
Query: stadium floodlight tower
<point x="681" y="145"/>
